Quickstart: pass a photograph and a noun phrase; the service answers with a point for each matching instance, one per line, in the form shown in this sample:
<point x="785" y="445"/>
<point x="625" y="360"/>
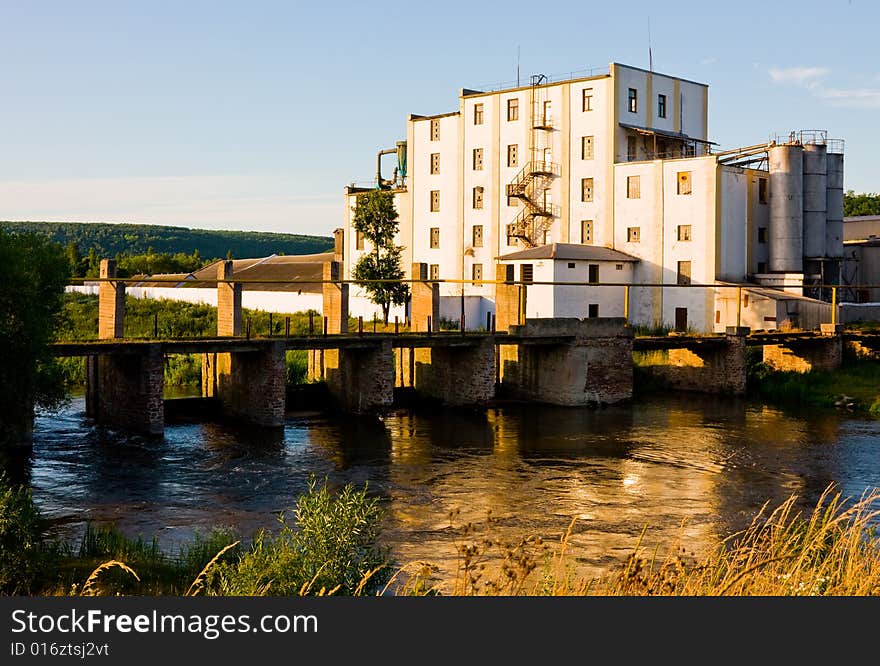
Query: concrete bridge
<point x="556" y="361"/>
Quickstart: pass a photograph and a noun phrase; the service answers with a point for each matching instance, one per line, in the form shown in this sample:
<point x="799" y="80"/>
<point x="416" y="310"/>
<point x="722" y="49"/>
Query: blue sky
<point x="255" y="115"/>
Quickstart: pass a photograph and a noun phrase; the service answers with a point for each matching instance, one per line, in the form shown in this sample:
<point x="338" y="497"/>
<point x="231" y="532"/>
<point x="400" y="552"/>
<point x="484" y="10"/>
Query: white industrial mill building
<point x="611" y="178"/>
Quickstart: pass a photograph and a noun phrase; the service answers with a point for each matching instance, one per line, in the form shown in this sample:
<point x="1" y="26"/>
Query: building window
<point x="478" y="198"/>
<point x="618" y="267"/>
<point x="684" y="272"/>
<point x="478" y="114"/>
<point x="633" y="234"/>
<point x="513" y="109"/>
<point x="717" y="316"/>
<point x="435" y="201"/>
<point x="527" y="273"/>
<point x="358" y="240"/>
<point x="661" y="106"/>
<point x="633" y="101"/>
<point x="435" y="130"/>
<point x="478" y="159"/>
<point x="512" y="201"/>
<point x="593" y="273"/>
<point x="633" y="187"/>
<point x="745" y="300"/>
<point x="477" y="273"/>
<point x="434" y="271"/>
<point x="762" y="267"/>
<point x="684" y="182"/>
<point x="586" y="232"/>
<point x="435" y="237"/>
<point x="762" y="234"/>
<point x="762" y="190"/>
<point x="588" y="99"/>
<point x="593" y="310"/>
<point x="586" y="189"/>
<point x="571" y="264"/>
<point x="631" y="149"/>
<point x="547" y="237"/>
<point x="511" y="239"/>
<point x="512" y="155"/>
<point x="478" y="235"/>
<point x="435" y="163"/>
<point x="586" y="148"/>
<point x="684" y="232"/>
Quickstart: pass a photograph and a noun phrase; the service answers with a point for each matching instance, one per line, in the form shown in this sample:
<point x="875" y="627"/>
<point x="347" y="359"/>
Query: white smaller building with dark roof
<point x="582" y="265"/>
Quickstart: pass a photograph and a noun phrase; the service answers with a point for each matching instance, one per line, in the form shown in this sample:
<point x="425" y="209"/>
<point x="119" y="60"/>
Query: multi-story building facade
<point x="619" y="161"/>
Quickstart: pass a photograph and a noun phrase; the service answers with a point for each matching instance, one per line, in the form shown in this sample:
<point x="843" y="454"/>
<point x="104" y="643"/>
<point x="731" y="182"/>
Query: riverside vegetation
<point x="149" y="319"/>
<point x="329" y="544"/>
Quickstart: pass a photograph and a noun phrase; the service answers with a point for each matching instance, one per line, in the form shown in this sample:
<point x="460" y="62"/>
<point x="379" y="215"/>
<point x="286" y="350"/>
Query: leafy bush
<point x="331" y="547"/>
<point x="21" y="533"/>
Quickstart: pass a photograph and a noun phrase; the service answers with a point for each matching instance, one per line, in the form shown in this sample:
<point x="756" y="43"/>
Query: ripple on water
<point x="689" y="467"/>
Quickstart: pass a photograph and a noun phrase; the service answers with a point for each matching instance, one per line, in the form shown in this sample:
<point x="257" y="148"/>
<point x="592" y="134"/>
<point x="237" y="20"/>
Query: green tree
<point x="375" y="217"/>
<point x="33" y="272"/>
<point x="861" y="204"/>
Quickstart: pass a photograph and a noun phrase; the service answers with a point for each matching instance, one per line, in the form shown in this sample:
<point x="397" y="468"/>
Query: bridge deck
<point x="421" y="340"/>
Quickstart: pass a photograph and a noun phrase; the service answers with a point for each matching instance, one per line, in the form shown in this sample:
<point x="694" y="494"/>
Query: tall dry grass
<point x="832" y="550"/>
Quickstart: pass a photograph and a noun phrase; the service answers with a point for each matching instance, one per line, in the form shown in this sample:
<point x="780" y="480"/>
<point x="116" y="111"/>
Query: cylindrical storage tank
<point x="815" y="193"/>
<point x="834" y="207"/>
<point x="786" y="227"/>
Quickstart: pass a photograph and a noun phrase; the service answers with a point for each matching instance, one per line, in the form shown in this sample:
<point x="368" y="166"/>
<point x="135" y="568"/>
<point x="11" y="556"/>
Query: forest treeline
<point x="147" y="248"/>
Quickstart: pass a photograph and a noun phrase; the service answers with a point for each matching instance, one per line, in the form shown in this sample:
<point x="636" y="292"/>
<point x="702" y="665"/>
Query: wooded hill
<point x="110" y="240"/>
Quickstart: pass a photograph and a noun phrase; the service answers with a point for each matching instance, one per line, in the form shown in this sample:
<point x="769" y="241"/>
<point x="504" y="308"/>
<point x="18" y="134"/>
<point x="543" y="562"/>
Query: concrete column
<point x="425" y="301"/>
<point x="111" y="303"/>
<point x="339" y="245"/>
<point x="125" y="390"/>
<point x="510" y="299"/>
<point x="711" y="368"/>
<point x="361" y="379"/>
<point x="570" y="361"/>
<point x="228" y="302"/>
<point x="335" y="298"/>
<point x="459" y="375"/>
<point x="820" y="353"/>
<point x="251" y="386"/>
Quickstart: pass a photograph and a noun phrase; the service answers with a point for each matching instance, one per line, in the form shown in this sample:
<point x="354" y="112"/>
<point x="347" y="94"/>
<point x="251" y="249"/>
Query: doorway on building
<point x="681" y="319"/>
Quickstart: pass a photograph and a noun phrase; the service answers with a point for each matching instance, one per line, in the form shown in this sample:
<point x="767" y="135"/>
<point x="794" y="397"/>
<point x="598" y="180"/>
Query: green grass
<point x="855" y="384"/>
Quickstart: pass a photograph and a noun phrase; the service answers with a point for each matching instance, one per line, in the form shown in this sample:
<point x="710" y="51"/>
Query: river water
<point x="685" y="467"/>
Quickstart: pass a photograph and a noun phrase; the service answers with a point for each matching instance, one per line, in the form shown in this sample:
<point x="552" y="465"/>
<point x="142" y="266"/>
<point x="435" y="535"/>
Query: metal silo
<point x="786" y="229"/>
<point x="834" y="205"/>
<point x="815" y="193"/>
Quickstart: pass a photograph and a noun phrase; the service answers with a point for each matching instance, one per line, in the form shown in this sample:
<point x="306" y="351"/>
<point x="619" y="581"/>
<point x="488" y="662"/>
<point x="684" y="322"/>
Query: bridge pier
<point x="125" y="390"/>
<point x="457" y="375"/>
<point x="819" y="353"/>
<point x="589" y="362"/>
<point x="707" y="368"/>
<point x="251" y="386"/>
<point x="361" y="378"/>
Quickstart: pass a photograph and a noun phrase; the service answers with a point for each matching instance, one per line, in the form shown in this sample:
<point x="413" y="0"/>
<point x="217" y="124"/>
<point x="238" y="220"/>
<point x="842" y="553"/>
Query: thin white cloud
<point x="811" y="78"/>
<point x="854" y="98"/>
<point x="247" y="202"/>
<point x="798" y="75"/>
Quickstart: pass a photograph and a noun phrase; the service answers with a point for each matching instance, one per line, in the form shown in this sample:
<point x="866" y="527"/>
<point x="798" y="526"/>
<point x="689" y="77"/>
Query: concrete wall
<point x="126" y="390"/>
<point x="462" y="375"/>
<point x="716" y="368"/>
<point x="852" y="312"/>
<point x="595" y="366"/>
<point x="251" y="386"/>
<point x="823" y="353"/>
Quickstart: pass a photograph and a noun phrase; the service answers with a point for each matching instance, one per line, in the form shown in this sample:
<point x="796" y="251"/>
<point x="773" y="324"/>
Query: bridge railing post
<point x="111" y="302"/>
